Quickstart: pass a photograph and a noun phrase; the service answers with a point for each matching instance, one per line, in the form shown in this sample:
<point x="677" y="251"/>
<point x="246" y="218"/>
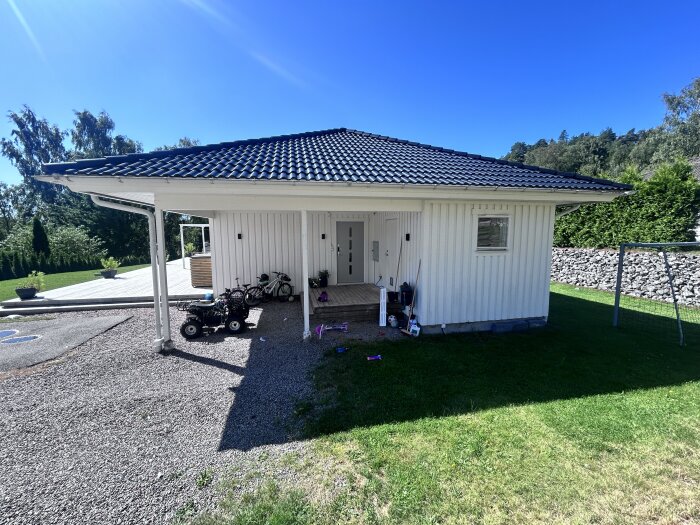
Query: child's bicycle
<point x="278" y="287"/>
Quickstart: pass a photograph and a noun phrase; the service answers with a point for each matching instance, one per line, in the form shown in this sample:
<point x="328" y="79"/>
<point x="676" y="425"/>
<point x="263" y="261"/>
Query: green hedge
<point x="14" y="266"/>
<point x="664" y="208"/>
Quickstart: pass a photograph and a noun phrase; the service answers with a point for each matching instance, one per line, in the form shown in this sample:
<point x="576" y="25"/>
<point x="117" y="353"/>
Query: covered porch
<point x="351" y="302"/>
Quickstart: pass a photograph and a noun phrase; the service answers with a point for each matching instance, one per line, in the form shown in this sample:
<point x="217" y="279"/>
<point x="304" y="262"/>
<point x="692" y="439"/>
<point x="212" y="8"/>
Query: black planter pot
<point x="25" y="293"/>
<point x="108" y="274"/>
<point x="323" y="282"/>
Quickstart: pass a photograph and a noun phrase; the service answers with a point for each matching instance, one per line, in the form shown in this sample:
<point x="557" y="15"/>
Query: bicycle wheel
<point x="284" y="292"/>
<point x="237" y="295"/>
<point x="254" y="296"/>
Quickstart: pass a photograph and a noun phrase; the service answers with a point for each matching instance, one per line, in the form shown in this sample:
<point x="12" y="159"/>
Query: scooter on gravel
<point x="228" y="310"/>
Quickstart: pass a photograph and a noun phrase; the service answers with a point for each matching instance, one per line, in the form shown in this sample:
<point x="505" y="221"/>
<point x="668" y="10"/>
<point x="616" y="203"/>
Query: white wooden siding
<point x="271" y="241"/>
<point x="460" y="284"/>
<point x="408" y="223"/>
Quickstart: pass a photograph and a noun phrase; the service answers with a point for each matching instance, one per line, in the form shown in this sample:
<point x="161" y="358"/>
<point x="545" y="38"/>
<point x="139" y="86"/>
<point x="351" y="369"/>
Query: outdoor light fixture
<point x="323" y="236"/>
<point x="408" y="237"/>
<point x="240" y="235"/>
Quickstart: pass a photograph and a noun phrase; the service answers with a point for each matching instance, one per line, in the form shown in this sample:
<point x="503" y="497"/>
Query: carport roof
<point x="336" y="155"/>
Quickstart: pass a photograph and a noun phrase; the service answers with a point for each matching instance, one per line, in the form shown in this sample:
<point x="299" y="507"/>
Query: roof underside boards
<point x="337" y="155"/>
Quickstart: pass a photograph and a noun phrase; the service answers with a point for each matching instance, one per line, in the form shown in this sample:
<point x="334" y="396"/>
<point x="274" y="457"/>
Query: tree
<point x="34" y="141"/>
<point x="92" y="137"/>
<point x="664" y="208"/>
<point x="7" y="209"/>
<point x="517" y="152"/>
<point x="40" y="241"/>
<point x="183" y="142"/>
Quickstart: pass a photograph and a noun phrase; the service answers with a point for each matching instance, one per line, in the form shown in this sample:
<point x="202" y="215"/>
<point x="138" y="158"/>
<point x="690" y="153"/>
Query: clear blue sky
<point x="465" y="75"/>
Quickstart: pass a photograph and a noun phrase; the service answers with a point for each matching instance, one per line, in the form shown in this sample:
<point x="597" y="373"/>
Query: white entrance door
<point x="351" y="252"/>
<point x="391" y="252"/>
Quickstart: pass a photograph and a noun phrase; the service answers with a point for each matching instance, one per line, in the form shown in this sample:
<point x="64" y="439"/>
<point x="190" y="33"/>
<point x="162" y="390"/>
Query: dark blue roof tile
<point x="336" y="155"/>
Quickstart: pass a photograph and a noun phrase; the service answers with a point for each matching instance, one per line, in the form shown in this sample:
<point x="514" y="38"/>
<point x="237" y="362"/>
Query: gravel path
<point x="115" y="433"/>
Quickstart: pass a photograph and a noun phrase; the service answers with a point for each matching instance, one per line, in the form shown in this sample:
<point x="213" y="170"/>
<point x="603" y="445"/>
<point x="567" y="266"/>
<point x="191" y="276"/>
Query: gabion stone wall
<point x="644" y="273"/>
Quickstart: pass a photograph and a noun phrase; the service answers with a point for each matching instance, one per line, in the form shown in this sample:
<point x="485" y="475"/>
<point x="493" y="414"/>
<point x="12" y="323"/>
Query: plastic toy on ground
<point x="323" y="328"/>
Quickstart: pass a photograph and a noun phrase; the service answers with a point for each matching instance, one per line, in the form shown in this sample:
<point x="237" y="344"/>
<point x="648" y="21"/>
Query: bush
<point x="110" y="264"/>
<point x="34" y="280"/>
<point x="665" y="208"/>
<point x="40" y="241"/>
<point x="75" y="241"/>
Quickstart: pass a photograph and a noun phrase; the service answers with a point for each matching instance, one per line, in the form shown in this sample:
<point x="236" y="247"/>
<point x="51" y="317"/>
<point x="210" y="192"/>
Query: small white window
<point x="492" y="233"/>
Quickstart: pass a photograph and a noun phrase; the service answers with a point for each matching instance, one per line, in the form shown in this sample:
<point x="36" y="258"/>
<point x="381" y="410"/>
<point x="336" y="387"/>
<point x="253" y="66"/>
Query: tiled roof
<point x="335" y="155"/>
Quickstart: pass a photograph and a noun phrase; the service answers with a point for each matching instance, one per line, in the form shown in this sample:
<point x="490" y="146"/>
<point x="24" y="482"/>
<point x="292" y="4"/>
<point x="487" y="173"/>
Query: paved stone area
<point x="54" y="338"/>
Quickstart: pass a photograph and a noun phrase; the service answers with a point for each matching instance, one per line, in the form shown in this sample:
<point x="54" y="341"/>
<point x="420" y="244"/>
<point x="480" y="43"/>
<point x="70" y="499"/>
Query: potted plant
<point x="110" y="266"/>
<point x="30" y="286"/>
<point x="323" y="278"/>
<point x="189" y="249"/>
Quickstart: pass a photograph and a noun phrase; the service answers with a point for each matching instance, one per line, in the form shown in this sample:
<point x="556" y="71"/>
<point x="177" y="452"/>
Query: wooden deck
<point x="350" y="302"/>
<point x="134" y="286"/>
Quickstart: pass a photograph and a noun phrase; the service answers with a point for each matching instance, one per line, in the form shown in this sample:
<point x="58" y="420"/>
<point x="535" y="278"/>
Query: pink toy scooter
<point x="323" y="328"/>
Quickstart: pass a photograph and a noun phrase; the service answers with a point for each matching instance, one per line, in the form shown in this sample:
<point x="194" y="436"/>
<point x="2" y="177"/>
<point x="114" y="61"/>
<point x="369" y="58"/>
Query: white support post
<point x="153" y="252"/>
<point x="182" y="246"/>
<point x="305" y="272"/>
<point x="163" y="274"/>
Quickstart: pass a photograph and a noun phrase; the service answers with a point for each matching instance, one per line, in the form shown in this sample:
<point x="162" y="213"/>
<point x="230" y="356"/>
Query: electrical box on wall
<point x="375" y="251"/>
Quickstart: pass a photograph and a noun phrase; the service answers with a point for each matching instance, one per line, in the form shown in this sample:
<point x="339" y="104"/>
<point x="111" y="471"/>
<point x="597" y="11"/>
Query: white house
<point x="350" y="202"/>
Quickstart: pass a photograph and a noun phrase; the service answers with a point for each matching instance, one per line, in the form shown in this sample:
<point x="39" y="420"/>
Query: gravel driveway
<point x="115" y="433"/>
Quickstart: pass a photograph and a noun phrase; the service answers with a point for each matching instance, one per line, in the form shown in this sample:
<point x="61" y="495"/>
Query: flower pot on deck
<point x="26" y="293"/>
<point x="108" y="274"/>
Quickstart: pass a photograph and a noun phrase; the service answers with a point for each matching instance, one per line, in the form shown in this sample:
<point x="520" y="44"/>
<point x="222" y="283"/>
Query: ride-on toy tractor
<point x="228" y="310"/>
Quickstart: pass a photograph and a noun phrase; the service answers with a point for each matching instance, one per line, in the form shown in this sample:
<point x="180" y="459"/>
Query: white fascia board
<point x="287" y="203"/>
<point x="209" y="187"/>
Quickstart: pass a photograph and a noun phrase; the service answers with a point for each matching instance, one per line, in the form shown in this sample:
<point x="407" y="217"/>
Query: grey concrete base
<point x="40" y="301"/>
<point x="56" y="337"/>
<point x="504" y="326"/>
<point x="52" y="309"/>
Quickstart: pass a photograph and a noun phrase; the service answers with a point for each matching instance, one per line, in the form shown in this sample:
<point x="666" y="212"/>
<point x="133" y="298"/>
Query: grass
<point x="574" y="423"/>
<point x="58" y="280"/>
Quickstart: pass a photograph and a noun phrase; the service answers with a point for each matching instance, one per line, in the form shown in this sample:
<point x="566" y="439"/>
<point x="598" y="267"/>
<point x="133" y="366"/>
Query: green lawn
<point x="57" y="280"/>
<point x="574" y="423"/>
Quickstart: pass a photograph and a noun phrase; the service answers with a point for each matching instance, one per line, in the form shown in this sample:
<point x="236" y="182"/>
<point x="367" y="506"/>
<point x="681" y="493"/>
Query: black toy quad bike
<point x="228" y="310"/>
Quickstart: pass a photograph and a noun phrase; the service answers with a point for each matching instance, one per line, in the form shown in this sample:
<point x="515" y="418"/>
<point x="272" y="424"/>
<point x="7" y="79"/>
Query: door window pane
<point x="350" y="244"/>
<point x="492" y="233"/>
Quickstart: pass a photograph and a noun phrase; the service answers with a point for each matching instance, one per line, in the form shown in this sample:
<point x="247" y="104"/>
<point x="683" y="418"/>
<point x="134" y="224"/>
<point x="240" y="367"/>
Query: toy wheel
<point x="284" y="293"/>
<point x="254" y="296"/>
<point x="234" y="325"/>
<point x="191" y="329"/>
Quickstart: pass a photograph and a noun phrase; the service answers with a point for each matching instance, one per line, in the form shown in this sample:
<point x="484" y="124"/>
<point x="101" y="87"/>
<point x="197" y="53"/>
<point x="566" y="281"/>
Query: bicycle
<point x="267" y="289"/>
<point x="239" y="293"/>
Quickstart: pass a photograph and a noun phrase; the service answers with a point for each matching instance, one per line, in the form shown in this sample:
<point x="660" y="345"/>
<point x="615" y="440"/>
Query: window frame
<point x="484" y="250"/>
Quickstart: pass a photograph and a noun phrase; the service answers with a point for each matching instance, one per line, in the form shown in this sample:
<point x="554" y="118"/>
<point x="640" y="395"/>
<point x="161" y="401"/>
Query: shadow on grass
<point x="578" y="354"/>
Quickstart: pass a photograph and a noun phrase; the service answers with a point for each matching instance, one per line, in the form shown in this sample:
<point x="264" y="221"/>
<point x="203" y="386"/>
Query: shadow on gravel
<point x="275" y="373"/>
<point x="207" y="361"/>
<point x="277" y="369"/>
